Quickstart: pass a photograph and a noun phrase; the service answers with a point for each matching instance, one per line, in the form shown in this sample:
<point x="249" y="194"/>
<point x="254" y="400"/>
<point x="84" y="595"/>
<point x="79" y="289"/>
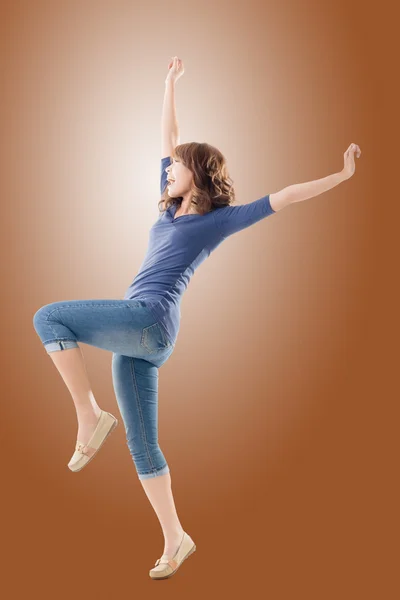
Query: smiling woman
<point x="200" y="179"/>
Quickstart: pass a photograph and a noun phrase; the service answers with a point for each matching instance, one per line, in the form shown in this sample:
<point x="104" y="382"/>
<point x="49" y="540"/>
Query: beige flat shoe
<point x="165" y="567"/>
<point x="85" y="452"/>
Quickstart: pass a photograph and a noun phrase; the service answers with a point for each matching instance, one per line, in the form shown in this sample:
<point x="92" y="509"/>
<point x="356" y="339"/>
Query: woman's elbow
<point x="279" y="200"/>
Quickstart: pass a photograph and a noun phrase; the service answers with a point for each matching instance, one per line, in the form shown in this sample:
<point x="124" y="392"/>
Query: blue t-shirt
<point x="178" y="246"/>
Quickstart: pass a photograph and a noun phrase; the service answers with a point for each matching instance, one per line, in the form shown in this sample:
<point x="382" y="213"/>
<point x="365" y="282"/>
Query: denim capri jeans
<point x="139" y="344"/>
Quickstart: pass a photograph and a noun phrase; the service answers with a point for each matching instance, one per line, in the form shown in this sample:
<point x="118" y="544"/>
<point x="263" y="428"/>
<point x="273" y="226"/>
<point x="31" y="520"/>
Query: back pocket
<point x="154" y="338"/>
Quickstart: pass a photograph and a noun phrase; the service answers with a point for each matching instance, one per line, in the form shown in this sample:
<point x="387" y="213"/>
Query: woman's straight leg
<point x="159" y="492"/>
<point x="135" y="384"/>
<point x="136" y="389"/>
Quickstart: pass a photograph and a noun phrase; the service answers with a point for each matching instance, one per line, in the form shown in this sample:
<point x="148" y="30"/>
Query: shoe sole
<point x="88" y="461"/>
<point x="173" y="572"/>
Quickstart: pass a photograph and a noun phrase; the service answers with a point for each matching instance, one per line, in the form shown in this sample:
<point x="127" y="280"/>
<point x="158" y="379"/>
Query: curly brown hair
<point x="212" y="185"/>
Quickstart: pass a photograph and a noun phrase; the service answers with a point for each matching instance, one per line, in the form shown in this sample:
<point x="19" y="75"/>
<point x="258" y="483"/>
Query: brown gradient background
<point x="278" y="408"/>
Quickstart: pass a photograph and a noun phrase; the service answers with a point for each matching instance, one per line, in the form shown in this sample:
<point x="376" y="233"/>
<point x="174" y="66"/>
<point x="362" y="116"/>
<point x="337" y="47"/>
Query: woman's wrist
<point x="343" y="175"/>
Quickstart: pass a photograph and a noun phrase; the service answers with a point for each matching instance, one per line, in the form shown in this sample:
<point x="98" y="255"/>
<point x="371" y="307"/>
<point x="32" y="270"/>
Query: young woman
<point x="196" y="215"/>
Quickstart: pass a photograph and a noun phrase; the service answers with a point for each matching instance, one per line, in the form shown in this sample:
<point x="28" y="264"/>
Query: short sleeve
<point x="231" y="219"/>
<point x="165" y="162"/>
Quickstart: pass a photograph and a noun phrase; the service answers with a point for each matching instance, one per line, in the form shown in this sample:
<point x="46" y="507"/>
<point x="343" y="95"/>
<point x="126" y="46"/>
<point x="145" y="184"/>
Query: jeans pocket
<point x="154" y="339"/>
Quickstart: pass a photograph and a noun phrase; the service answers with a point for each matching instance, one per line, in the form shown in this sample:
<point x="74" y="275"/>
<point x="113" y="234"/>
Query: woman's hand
<point x="175" y="69"/>
<point x="349" y="165"/>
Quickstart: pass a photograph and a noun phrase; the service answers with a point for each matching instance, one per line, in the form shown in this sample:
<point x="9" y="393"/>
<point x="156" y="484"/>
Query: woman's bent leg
<point x="136" y="388"/>
<point x="109" y="324"/>
<point x="113" y="325"/>
<point x="71" y="366"/>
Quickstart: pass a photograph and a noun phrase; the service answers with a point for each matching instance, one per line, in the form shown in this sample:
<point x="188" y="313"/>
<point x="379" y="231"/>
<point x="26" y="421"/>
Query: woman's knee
<point x="44" y="314"/>
<point x="51" y="330"/>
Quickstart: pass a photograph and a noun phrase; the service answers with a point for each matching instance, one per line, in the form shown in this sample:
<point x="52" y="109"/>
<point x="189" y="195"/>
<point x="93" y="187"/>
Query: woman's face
<point x="183" y="179"/>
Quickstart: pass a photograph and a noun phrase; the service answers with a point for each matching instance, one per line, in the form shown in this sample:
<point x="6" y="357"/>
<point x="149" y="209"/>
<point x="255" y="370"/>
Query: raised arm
<point x="169" y="123"/>
<point x="309" y="189"/>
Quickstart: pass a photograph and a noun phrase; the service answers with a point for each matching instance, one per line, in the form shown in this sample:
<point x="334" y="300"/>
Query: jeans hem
<point x="60" y="344"/>
<point x="155" y="473"/>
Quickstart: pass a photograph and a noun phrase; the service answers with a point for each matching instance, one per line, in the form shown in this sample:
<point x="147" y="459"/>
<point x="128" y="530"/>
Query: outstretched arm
<point x="232" y="219"/>
<point x="169" y="123"/>
<point x="309" y="189"/>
